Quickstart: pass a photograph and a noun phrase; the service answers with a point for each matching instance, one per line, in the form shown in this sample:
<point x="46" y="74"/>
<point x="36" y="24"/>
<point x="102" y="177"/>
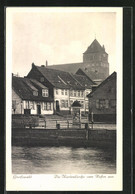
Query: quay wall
<point x="64" y="137"/>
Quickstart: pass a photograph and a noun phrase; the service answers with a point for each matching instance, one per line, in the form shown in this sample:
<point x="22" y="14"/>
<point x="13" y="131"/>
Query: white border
<point x="48" y="182"/>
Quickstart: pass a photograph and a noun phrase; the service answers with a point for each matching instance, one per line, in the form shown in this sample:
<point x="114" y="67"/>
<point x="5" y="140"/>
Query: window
<point x="65" y="92"/>
<point x="45" y="93"/>
<point x="82" y="104"/>
<point x="62" y="104"/>
<point x="44" y="106"/>
<point x="71" y="93"/>
<point x="42" y="79"/>
<point x="35" y="93"/>
<point x="62" y="92"/>
<point x="27" y="105"/>
<point x="57" y="92"/>
<point x="32" y="105"/>
<point x="113" y="103"/>
<point x="81" y="93"/>
<point x="78" y="93"/>
<point x="66" y="103"/>
<point x="48" y="106"/>
<point x="106" y="103"/>
<point x="97" y="104"/>
<point x="102" y="104"/>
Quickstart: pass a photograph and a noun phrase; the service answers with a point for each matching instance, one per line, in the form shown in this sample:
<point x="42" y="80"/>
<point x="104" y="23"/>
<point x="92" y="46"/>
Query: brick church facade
<point x="95" y="63"/>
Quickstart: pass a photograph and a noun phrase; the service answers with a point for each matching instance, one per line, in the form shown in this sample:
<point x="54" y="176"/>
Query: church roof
<point x="93" y="75"/>
<point x="68" y="67"/>
<point x="94" y="48"/>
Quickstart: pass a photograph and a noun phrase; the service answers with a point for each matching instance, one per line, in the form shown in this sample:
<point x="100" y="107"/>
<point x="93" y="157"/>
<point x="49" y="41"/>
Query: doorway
<point x="38" y="109"/>
<point x="57" y="106"/>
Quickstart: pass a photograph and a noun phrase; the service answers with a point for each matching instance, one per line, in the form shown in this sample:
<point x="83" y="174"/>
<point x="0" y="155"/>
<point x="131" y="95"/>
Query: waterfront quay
<point x="64" y="137"/>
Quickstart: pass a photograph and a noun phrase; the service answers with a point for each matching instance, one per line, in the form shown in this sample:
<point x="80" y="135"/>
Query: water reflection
<point x="62" y="160"/>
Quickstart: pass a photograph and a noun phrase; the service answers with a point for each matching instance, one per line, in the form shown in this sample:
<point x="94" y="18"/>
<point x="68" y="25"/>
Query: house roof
<point x="84" y="81"/>
<point x="112" y="76"/>
<point x="24" y="89"/>
<point x="29" y="84"/>
<point x="38" y="84"/>
<point x="60" y="79"/>
<point x="95" y="47"/>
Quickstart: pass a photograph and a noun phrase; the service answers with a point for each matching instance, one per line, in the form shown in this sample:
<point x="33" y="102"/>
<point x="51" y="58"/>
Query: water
<point x="62" y="160"/>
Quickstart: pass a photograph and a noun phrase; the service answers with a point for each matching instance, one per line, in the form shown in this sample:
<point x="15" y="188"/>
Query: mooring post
<point x="68" y="124"/>
<point x="56" y="123"/>
<point x="87" y="134"/>
<point x="45" y="124"/>
<point x="92" y="119"/>
<point x="92" y="124"/>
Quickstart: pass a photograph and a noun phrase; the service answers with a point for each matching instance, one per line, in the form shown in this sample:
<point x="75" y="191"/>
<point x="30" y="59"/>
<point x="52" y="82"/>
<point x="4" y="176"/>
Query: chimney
<point x="33" y="65"/>
<point x="46" y="63"/>
<point x="104" y="47"/>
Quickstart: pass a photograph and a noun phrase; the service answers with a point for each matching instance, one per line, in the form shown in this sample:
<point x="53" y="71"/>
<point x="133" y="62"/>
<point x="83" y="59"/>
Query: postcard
<point x="64" y="102"/>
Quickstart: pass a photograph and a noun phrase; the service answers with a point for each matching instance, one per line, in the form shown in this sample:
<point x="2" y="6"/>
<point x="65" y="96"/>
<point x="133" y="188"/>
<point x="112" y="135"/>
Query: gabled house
<point x="102" y="100"/>
<point x="64" y="87"/>
<point x="30" y="97"/>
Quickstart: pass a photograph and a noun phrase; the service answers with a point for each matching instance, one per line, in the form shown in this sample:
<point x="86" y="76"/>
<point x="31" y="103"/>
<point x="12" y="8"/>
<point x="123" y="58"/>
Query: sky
<point x="59" y="37"/>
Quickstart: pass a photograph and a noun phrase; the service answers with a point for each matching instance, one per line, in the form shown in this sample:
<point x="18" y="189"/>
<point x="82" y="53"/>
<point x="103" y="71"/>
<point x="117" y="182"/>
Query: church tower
<point x="95" y="61"/>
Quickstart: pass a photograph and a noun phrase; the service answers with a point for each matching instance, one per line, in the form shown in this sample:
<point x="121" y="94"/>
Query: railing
<point x="59" y="124"/>
<point x="67" y="124"/>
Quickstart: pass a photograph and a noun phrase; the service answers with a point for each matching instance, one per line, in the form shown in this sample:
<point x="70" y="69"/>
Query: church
<point x="94" y="66"/>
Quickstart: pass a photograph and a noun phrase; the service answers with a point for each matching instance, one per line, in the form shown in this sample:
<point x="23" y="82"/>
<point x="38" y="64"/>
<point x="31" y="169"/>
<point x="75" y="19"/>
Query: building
<point x="95" y="63"/>
<point x="88" y="84"/>
<point x="64" y="87"/>
<point x="30" y="97"/>
<point x="102" y="100"/>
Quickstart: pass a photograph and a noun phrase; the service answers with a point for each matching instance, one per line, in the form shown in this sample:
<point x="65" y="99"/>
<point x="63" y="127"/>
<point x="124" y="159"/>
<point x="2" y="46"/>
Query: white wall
<point x="87" y="91"/>
<point x="21" y="105"/>
<point x="34" y="111"/>
<point x="18" y="100"/>
<point x="59" y="97"/>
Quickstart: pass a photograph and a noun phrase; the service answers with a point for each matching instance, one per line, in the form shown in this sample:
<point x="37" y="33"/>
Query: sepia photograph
<point x="64" y="99"/>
